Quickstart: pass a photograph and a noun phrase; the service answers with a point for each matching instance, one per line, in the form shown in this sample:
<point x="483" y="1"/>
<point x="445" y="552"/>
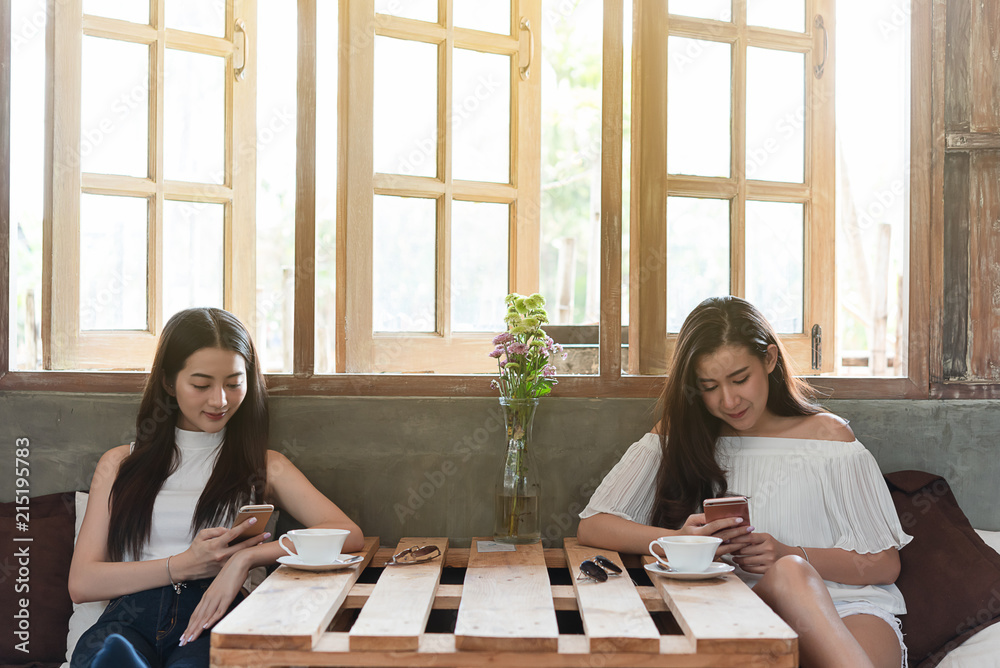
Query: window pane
<point x="774" y="249"/>
<point x="27" y="136"/>
<point x="136" y="12"/>
<point x="698" y="134"/>
<point x="492" y="16"/>
<point x="192" y="255"/>
<point x="780" y="14"/>
<point x="571" y="161"/>
<point x="326" y="192"/>
<point x="422" y="10"/>
<point x="775" y="115"/>
<point x="405" y="256"/>
<point x="720" y="10"/>
<point x="276" y="105"/>
<point x="406" y="117"/>
<point x="479" y="236"/>
<point x="697" y="254"/>
<point x="208" y="18"/>
<point x="113" y="268"/>
<point x="114" y="118"/>
<point x="873" y="105"/>
<point x="480" y="117"/>
<point x="194" y="124"/>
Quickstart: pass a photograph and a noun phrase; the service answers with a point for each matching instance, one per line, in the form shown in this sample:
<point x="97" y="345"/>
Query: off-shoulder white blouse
<point x="802" y="491"/>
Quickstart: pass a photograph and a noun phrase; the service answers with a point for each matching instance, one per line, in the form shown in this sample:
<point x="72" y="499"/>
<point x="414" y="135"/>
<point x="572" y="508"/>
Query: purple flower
<point x="497" y="352"/>
<point x="549" y="370"/>
<point x="503" y="363"/>
<point x="502" y="338"/>
<point x="518" y="348"/>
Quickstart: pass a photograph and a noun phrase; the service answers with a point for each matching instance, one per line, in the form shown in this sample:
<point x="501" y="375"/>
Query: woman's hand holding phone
<point x="212" y="548"/>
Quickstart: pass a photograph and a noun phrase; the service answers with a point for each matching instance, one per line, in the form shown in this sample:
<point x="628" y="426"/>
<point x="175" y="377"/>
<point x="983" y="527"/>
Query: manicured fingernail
<point x="205" y="626"/>
<point x="181" y="643"/>
<point x="739" y="519"/>
<point x="749" y="529"/>
<point x="267" y="535"/>
<point x="253" y="520"/>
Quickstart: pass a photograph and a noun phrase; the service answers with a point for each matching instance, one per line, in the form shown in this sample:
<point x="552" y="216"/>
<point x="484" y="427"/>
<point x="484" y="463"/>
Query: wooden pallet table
<point x="505" y="614"/>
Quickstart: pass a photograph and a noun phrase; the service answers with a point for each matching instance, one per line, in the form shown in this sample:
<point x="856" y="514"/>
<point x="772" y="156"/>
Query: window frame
<point x="924" y="305"/>
<point x="64" y="344"/>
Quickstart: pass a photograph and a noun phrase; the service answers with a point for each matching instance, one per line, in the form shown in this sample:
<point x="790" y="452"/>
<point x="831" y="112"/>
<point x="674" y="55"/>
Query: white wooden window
<point x="732" y="171"/>
<point x="151" y="173"/>
<point x="441" y="106"/>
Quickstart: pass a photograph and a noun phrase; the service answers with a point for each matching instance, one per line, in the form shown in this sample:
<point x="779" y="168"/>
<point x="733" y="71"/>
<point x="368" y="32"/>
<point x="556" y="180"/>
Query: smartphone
<point x="261" y="511"/>
<point x="729" y="506"/>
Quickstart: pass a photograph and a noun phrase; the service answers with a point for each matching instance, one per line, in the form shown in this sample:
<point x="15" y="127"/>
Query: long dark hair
<point x="689" y="471"/>
<point x="241" y="467"/>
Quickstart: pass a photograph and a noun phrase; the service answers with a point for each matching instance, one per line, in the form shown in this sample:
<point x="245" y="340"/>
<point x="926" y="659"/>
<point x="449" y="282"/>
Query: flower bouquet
<point x="524" y="355"/>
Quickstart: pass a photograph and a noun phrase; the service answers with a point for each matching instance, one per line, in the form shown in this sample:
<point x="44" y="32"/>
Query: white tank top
<point x="175" y="504"/>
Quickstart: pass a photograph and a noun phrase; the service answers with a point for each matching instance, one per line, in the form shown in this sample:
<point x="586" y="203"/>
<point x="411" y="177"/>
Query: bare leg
<point x="795" y="591"/>
<point x="877" y="638"/>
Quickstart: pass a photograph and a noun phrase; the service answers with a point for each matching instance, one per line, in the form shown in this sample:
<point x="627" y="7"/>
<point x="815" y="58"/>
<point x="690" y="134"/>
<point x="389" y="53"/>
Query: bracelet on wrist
<point x="804" y="554"/>
<point x="176" y="585"/>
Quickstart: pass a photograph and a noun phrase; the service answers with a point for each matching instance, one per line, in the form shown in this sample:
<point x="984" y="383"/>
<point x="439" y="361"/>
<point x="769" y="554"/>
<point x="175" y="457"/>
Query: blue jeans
<point x="152" y="622"/>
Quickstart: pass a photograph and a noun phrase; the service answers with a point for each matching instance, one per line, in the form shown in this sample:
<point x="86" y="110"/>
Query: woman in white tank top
<point x="155" y="537"/>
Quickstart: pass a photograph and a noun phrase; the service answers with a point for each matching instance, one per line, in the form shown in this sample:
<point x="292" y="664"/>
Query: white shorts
<point x="848" y="608"/>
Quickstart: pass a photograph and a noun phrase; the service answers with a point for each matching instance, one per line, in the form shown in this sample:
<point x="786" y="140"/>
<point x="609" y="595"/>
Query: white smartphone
<point x="261" y="511"/>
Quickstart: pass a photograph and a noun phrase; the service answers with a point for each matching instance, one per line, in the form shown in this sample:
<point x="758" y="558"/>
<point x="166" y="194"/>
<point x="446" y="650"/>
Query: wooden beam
<point x="970" y="141"/>
<point x="612" y="88"/>
<point x="304" y="338"/>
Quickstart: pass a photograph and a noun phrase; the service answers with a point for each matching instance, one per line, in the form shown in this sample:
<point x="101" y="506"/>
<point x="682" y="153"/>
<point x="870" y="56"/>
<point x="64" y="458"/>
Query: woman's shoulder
<point x="821" y="427"/>
<point x="114" y="456"/>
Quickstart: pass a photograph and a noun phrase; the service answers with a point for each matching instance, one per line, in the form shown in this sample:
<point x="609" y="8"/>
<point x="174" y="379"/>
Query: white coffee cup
<point x="688" y="554"/>
<point x="315" y="546"/>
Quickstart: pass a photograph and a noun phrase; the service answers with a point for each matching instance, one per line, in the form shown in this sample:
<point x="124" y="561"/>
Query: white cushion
<point x="85" y="615"/>
<point x="983" y="649"/>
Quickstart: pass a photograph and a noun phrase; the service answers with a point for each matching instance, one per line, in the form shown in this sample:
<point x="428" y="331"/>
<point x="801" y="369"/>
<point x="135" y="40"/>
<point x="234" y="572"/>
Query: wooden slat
<point x="969" y="141"/>
<point x="955" y="252"/>
<point x="984" y="267"/>
<point x="290" y="609"/>
<point x="614" y="616"/>
<point x="724" y="615"/>
<point x="439" y="649"/>
<point x="397" y="610"/>
<point x="507" y="604"/>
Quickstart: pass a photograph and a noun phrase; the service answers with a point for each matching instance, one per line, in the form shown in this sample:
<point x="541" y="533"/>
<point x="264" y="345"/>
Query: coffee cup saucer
<point x="344" y="561"/>
<point x="714" y="570"/>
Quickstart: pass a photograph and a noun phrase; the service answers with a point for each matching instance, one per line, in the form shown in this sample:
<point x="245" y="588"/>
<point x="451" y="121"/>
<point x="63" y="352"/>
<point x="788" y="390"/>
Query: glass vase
<point x="516" y="516"/>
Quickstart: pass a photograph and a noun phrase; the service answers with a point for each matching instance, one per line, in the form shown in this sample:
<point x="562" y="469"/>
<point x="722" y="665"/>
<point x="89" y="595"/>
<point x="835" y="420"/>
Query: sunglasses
<point x="598" y="568"/>
<point x="414" y="555"/>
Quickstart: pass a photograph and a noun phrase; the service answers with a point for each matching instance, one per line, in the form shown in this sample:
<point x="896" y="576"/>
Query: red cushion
<point x="38" y="579"/>
<point x="949" y="577"/>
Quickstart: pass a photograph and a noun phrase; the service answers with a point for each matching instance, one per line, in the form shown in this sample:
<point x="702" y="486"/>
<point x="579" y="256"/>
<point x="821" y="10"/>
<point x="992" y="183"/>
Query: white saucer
<point x="715" y="570"/>
<point x="345" y="561"/>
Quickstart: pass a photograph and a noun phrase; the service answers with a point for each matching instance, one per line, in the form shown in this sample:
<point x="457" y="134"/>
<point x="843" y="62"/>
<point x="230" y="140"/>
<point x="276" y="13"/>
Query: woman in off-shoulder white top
<point x="823" y="548"/>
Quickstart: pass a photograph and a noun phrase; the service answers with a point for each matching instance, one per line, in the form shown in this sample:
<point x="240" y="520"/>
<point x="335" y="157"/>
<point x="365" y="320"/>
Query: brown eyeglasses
<point x="598" y="568"/>
<point x="414" y="555"/>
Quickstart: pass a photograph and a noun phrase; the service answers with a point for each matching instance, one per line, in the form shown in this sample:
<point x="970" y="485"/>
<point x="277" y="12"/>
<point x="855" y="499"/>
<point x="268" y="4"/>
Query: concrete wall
<point x="426" y="467"/>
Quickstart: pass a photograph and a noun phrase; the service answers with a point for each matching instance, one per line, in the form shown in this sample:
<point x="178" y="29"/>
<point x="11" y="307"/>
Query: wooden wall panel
<point x="984" y="50"/>
<point x="955" y="318"/>
<point x="957" y="115"/>
<point x="984" y="259"/>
